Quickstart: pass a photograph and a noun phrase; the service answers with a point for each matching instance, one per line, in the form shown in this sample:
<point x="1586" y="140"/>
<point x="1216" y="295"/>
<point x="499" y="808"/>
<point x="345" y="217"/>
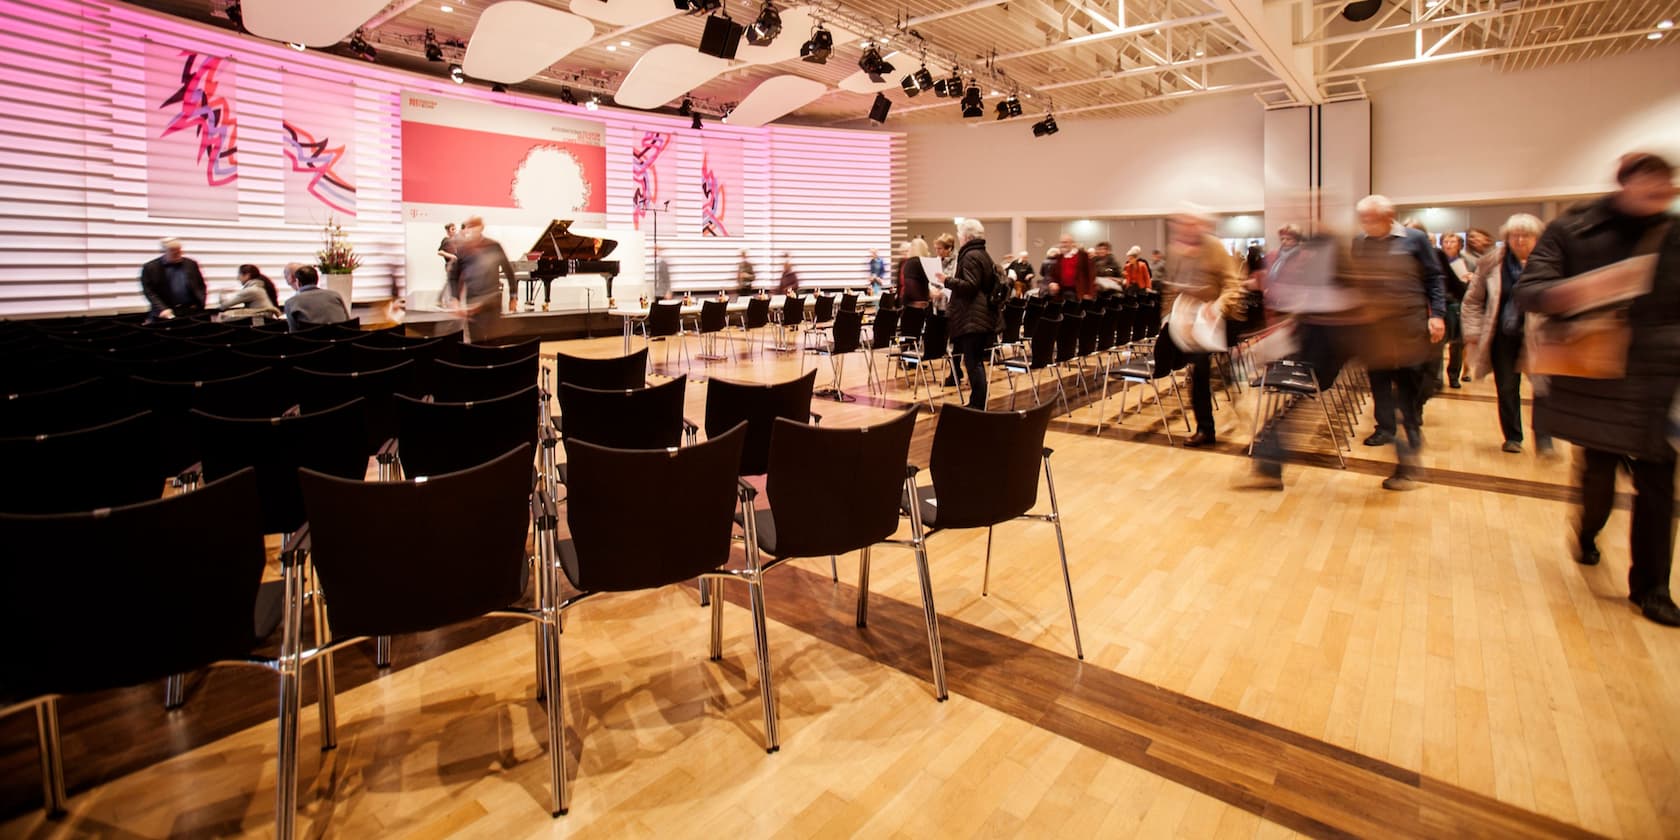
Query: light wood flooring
<point x="1328" y="659"/>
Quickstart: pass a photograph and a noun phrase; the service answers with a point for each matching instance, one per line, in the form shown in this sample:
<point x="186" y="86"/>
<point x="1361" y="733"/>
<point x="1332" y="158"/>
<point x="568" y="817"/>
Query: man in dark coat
<point x="172" y="284"/>
<point x="970" y="307"/>
<point x="1621" y="422"/>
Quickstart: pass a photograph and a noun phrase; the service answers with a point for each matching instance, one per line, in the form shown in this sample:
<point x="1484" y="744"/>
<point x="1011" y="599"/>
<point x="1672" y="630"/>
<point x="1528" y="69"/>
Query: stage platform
<point x="553" y="325"/>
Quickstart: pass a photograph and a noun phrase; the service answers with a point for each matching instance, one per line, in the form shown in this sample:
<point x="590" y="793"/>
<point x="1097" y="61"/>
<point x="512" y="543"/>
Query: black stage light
<point x="1002" y="110"/>
<point x="455" y="74"/>
<point x="567" y="96"/>
<point x="1362" y="10"/>
<point x="687" y="108"/>
<point x="873" y="65"/>
<point x="360" y="47"/>
<point x="766" y="27"/>
<point x="721" y="37"/>
<point x="972" y="105"/>
<point x="954" y="87"/>
<point x="878" y="111"/>
<point x="434" y="50"/>
<point x="1045" y="127"/>
<point x="498" y="87"/>
<point x="696" y="122"/>
<point x="819" y="48"/>
<point x="940" y="89"/>
<point x="909" y="85"/>
<point x="697" y="7"/>
<point x="236" y="15"/>
<point x="1013" y="103"/>
<point x="924" y="79"/>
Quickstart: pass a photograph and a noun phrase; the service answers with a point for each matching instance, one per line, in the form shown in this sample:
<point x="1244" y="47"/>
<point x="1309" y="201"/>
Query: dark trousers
<point x="972" y="348"/>
<point x="1395" y="393"/>
<point x="1168" y="357"/>
<point x="1652" y="535"/>
<point x="1508" y="380"/>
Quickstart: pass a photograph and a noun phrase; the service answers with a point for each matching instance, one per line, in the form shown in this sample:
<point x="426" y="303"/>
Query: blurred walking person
<point x="1493" y="326"/>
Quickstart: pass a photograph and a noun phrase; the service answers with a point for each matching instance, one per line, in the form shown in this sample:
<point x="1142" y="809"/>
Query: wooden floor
<point x="1330" y="659"/>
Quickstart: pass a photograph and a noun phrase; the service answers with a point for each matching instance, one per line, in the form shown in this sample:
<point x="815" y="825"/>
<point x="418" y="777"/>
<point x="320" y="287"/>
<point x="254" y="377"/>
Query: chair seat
<point x="270" y="607"/>
<point x="929" y="505"/>
<point x="1139" y="370"/>
<point x="765" y="521"/>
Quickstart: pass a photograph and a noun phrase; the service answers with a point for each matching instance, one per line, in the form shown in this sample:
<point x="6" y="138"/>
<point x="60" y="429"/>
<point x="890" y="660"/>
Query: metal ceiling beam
<point x="1270" y="29"/>
<point x="1122" y="32"/>
<point x="1484" y="53"/>
<point x="1145" y="71"/>
<point x="1440" y="22"/>
<point x="389" y="13"/>
<point x="1164" y="97"/>
<point x="960" y="10"/>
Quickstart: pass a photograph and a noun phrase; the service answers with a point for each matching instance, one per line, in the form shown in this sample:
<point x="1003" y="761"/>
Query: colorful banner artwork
<point x="644" y="170"/>
<point x="317" y="137"/>
<point x="192" y="167"/>
<point x="720" y="186"/>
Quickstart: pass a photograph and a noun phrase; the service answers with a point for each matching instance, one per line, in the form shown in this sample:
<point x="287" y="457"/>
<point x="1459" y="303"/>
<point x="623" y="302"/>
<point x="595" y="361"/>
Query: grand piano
<point x="561" y="253"/>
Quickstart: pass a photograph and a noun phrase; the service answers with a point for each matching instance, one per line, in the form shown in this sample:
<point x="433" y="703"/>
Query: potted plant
<point x="337" y="260"/>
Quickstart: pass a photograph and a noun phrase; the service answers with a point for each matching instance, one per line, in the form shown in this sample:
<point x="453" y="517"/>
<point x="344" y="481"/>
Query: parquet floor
<point x="1330" y="659"/>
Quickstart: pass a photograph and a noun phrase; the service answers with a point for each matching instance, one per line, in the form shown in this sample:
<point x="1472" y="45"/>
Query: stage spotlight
<point x="1002" y="110"/>
<point x="819" y="48"/>
<point x="878" y="111"/>
<point x="594" y="103"/>
<point x="1045" y="127"/>
<point x="909" y="85"/>
<point x="567" y="96"/>
<point x="361" y="48"/>
<point x="765" y="29"/>
<point x="687" y="108"/>
<point x="972" y="105"/>
<point x="924" y="79"/>
<point x="696" y="122"/>
<point x="696" y="7"/>
<point x="434" y="50"/>
<point x="236" y="15"/>
<point x="1362" y="10"/>
<point x="939" y="89"/>
<point x="873" y="65"/>
<point x="1013" y="103"/>
<point x="455" y="74"/>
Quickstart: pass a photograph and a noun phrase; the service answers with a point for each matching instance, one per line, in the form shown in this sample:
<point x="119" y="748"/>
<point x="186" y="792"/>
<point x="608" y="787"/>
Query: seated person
<point x="255" y="298"/>
<point x="312" y="304"/>
<point x="172" y="283"/>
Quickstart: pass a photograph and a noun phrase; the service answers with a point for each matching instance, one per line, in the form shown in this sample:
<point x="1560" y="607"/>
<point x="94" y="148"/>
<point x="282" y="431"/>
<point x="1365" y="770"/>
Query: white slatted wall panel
<point x="73" y="222"/>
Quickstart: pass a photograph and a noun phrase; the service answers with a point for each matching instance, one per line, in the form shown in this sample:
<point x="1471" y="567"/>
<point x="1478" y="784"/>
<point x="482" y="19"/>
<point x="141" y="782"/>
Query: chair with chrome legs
<point x="756" y="317"/>
<point x="107" y="465"/>
<point x="434" y="438"/>
<point x="935" y="347"/>
<point x="1284" y="382"/>
<point x="1010" y="343"/>
<point x="822" y="311"/>
<point x="494" y="354"/>
<point x="984" y="492"/>
<point x="397" y="557"/>
<point x="714" y="319"/>
<point x="846" y="337"/>
<point x="376" y="388"/>
<point x="882" y="336"/>
<point x="612" y="547"/>
<point x="664" y="324"/>
<point x="177" y="605"/>
<point x="633" y="418"/>
<point x="790" y="317"/>
<point x="1139" y="369"/>
<point x="615" y="373"/>
<point x="1067" y="350"/>
<point x="834" y="491"/>
<point x="451" y="382"/>
<point x="1042" y="355"/>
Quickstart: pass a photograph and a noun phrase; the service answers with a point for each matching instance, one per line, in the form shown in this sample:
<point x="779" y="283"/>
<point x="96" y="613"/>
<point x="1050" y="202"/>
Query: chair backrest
<point x="823" y="310"/>
<point x="758" y="313"/>
<point x="450" y="382"/>
<point x="911" y="322"/>
<point x="1067" y="338"/>
<point x="848" y="331"/>
<point x="793" y="310"/>
<point x="327" y="356"/>
<point x="888" y="300"/>
<point x="884" y="330"/>
<point x="406" y="556"/>
<point x="758" y="405"/>
<point x="1014" y="315"/>
<point x="714" y="316"/>
<point x="848" y="302"/>
<point x="622" y="540"/>
<point x="1108" y="321"/>
<point x="1090" y="323"/>
<point x="327" y="441"/>
<point x="434" y="438"/>
<point x="260" y="393"/>
<point x="74" y="406"/>
<point x="834" y="490"/>
<point x="985" y="464"/>
<point x="498" y="354"/>
<point x="107" y="465"/>
<point x="1044" y="336"/>
<point x="317" y="390"/>
<point x="664" y="318"/>
<point x="1029" y="320"/>
<point x="936" y="333"/>
<point x="615" y="373"/>
<point x="180" y="574"/>
<point x="630" y="418"/>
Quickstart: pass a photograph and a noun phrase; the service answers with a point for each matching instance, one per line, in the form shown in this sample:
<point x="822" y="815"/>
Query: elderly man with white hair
<point x="1493" y="324"/>
<point x="1399" y="276"/>
<point x="969" y="306"/>
<point x="172" y="283"/>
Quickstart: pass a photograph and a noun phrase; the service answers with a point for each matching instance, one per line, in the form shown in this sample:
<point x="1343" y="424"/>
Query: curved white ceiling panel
<point x="665" y="73"/>
<point x="624" y="12"/>
<point x="774" y="98"/>
<point x="312" y="23"/>
<point x="516" y="39"/>
<point x="796" y="29"/>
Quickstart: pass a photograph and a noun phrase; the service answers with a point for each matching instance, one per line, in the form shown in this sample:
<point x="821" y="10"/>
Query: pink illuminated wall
<point x="75" y="222"/>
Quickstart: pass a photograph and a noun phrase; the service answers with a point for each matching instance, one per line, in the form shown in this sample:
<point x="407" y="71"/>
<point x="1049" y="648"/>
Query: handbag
<point x="1197" y="326"/>
<point x="1592" y="343"/>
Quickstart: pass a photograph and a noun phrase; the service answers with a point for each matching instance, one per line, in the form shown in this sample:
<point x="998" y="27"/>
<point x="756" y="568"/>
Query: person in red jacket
<point x="1070" y="270"/>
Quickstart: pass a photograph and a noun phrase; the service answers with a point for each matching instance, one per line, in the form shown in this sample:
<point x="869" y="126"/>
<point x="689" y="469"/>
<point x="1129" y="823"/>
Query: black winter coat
<point x="970" y="306"/>
<point x="1627" y="416"/>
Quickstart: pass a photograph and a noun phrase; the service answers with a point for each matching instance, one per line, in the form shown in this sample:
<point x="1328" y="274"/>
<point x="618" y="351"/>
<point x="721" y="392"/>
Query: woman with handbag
<point x="1493" y="326"/>
<point x="1617" y="413"/>
<point x="1200" y="290"/>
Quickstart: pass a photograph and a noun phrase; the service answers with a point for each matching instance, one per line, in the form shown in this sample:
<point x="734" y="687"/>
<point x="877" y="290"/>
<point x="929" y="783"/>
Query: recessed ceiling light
<point x="1665" y="24"/>
<point x="1654" y="36"/>
<point x="446" y="9"/>
<point x="1200" y="53"/>
<point x="612" y="48"/>
<point x="624" y="43"/>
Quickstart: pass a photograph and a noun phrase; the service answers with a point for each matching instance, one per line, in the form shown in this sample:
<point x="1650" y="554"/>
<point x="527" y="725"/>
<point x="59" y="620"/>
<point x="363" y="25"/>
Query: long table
<point x="736" y="306"/>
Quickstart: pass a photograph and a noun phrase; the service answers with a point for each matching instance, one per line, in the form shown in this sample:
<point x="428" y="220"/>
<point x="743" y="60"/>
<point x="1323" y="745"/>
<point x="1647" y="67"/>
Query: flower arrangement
<point x="337" y="256"/>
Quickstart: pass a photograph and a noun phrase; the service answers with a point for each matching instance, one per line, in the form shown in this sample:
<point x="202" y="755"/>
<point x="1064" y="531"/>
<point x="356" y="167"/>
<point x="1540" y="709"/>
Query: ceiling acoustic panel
<point x="515" y="40"/>
<point x="624" y="12"/>
<point x="312" y="23"/>
<point x="665" y="73"/>
<point x="775" y="98"/>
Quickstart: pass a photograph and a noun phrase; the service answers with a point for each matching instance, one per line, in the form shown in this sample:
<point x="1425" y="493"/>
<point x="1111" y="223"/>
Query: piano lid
<point x="558" y="242"/>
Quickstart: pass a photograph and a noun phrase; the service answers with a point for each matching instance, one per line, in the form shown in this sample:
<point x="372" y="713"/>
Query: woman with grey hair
<point x="968" y="292"/>
<point x="1493" y="325"/>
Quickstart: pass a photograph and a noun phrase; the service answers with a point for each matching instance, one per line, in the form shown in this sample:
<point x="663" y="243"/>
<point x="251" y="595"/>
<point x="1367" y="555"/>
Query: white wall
<point x="1465" y="132"/>
<point x="1206" y="151"/>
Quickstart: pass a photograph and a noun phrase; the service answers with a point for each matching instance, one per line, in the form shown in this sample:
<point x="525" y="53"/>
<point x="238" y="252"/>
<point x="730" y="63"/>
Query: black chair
<point x="1090" y="329"/>
<point x="318" y="390"/>
<point x="632" y="418"/>
<point x="174" y="604"/>
<point x="1285" y="381"/>
<point x="366" y="355"/>
<point x="615" y="373"/>
<point x="664" y="323"/>
<point x="984" y="492"/>
<point x="390" y="559"/>
<point x="883" y="333"/>
<point x="331" y="356"/>
<point x="790" y="317"/>
<point x="108" y="465"/>
<point x="329" y="441"/>
<point x="612" y="549"/>
<point x="479" y="355"/>
<point x="822" y="310"/>
<point x="450" y="382"/>
<point x="849" y="302"/>
<point x="835" y="491"/>
<point x="756" y="317"/>
<point x="78" y="405"/>
<point x="1139" y="369"/>
<point x="843" y="339"/>
<point x="1010" y="343"/>
<point x="1067" y="350"/>
<point x="1042" y="354"/>
<point x="714" y="319"/>
<point x="935" y="347"/>
<point x="729" y="404"/>
<point x="443" y="437"/>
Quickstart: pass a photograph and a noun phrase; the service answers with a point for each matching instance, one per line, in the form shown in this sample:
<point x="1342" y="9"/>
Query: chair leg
<point x="918" y="538"/>
<point x="1061" y="548"/>
<point x="326" y="683"/>
<point x="705" y="593"/>
<point x="52" y="755"/>
<point x="863" y="588"/>
<point x="555" y="707"/>
<point x="1166" y="424"/>
<point x="174" y="691"/>
<point x="986" y="577"/>
<point x="714" y="588"/>
<point x="772" y="738"/>
<point x="286" y="765"/>
<point x="382" y="651"/>
<point x="834" y="568"/>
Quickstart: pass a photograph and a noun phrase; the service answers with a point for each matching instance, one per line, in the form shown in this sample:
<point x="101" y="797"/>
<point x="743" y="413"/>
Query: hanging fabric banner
<point x="645" y="166"/>
<point x="192" y="168"/>
<point x="720" y="186"/>
<point x="317" y="137"/>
